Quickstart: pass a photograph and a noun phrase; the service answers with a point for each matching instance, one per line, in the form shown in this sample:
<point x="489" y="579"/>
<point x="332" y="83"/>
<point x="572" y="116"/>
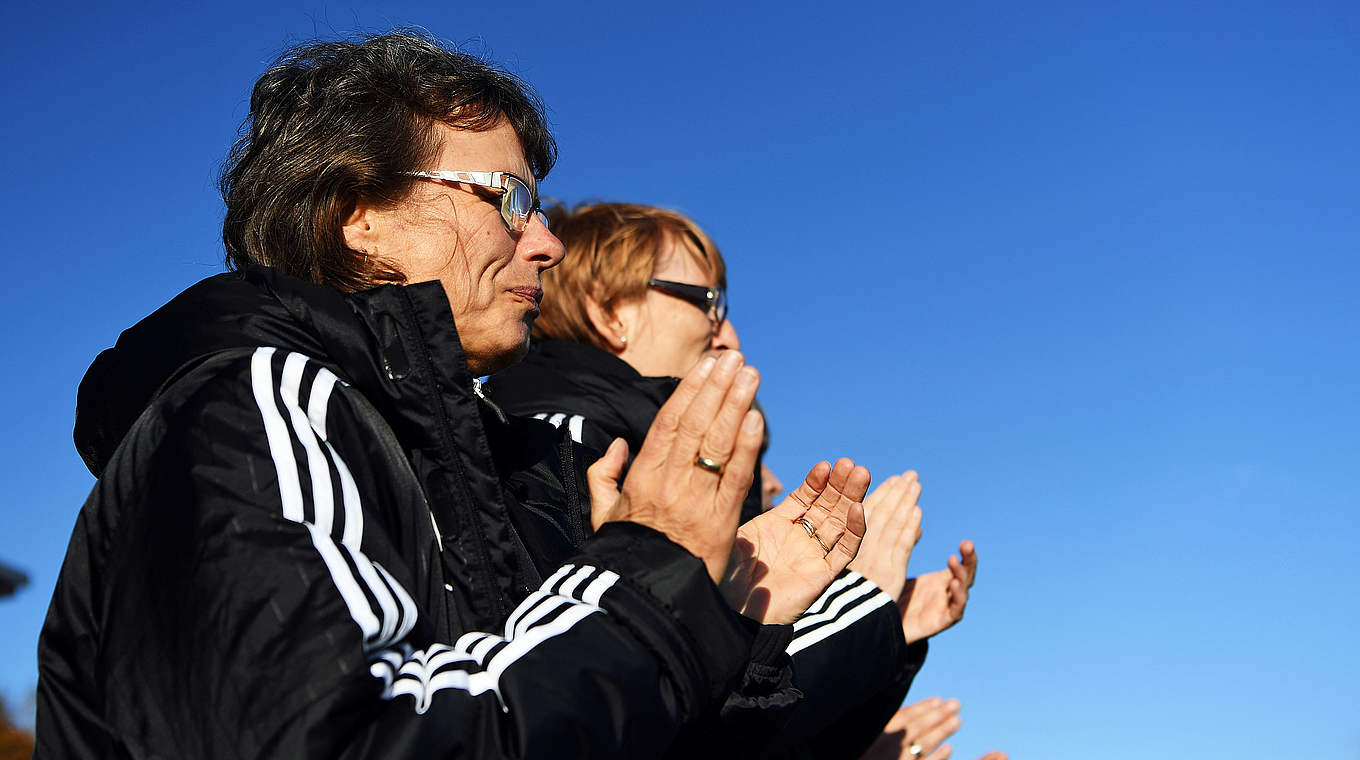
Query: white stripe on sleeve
<point x="568" y="596"/>
<point x="276" y="431"/>
<point x="844" y="602"/>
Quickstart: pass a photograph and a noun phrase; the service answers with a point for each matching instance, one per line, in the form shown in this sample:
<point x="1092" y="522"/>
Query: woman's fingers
<point x="926" y="723"/>
<point x="881" y="496"/>
<point x="736" y="479"/>
<point x="842" y="523"/>
<point x="934" y="713"/>
<point x="667" y="419"/>
<point x="602" y="478"/>
<point x="849" y="541"/>
<point x="970" y="562"/>
<point x="913" y="489"/>
<point x="698" y="417"/>
<point x="825" y="503"/>
<point x="656" y="447"/>
<point x="668" y="489"/>
<point x="934" y="735"/>
<point x="897" y="522"/>
<point x="904" y="716"/>
<point x="893" y="492"/>
<point x="915" y="713"/>
<point x="718" y="441"/>
<point x="847" y="484"/>
<point x="958" y="599"/>
<point x="801" y="498"/>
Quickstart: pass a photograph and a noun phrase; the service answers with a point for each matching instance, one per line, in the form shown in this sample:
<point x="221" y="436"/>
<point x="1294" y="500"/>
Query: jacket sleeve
<point x="823" y="687"/>
<point x="853" y="664"/>
<point x="256" y="603"/>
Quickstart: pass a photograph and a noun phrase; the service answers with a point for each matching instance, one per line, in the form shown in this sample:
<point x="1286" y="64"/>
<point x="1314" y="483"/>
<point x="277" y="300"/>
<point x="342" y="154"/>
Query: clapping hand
<point x="931" y="602"/>
<point x="784" y="559"/>
<point x="894" y="527"/>
<point x="695" y="465"/>
<point x="935" y="601"/>
<point x="916" y="732"/>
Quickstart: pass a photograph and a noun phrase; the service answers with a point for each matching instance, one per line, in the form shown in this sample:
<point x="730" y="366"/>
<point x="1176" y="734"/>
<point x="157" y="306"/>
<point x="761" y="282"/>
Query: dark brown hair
<point x="333" y="123"/>
<point x="612" y="250"/>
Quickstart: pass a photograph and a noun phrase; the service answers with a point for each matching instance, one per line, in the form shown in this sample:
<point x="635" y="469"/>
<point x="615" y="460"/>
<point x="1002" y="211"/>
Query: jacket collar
<point x="566" y="376"/>
<point x="367" y="338"/>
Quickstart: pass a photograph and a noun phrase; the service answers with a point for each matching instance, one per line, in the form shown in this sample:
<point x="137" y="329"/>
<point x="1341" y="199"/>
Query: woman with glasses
<point x="312" y="537"/>
<point x="639" y="302"/>
<point x="636" y="303"/>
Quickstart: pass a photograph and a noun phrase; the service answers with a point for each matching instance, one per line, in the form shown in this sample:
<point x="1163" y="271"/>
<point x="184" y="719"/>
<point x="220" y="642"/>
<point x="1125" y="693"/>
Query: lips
<point x="529" y="294"/>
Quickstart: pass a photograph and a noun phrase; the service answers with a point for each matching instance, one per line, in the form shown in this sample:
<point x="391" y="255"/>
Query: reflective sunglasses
<point x="712" y="300"/>
<point x="519" y="200"/>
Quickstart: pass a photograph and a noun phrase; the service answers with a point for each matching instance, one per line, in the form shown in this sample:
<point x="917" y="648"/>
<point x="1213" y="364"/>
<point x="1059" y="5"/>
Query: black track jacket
<point x="310" y="538"/>
<point x="849" y="656"/>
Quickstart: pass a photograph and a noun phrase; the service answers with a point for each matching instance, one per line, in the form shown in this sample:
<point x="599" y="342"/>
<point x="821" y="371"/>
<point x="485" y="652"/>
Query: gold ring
<point x="709" y="464"/>
<point x="807" y="526"/>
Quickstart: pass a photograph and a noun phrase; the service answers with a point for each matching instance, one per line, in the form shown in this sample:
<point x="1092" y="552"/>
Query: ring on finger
<point x="915" y="749"/>
<point x="807" y="526"/>
<point x="711" y="465"/>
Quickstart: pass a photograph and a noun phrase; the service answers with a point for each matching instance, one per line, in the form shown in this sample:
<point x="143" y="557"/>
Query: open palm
<point x="777" y="569"/>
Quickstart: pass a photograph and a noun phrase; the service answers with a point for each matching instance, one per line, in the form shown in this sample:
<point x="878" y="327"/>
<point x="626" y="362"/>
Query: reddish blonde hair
<point x="612" y="250"/>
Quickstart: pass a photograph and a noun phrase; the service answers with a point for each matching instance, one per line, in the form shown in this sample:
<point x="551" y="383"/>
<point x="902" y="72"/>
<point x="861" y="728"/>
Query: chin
<point x="514" y="355"/>
<point x="499" y="357"/>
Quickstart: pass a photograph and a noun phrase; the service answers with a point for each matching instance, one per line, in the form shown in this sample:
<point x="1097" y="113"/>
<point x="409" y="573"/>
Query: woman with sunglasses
<point x="312" y="537"/>
<point x="638" y="301"/>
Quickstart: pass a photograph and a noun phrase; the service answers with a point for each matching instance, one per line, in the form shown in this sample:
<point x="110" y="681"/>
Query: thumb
<point x="603" y="481"/>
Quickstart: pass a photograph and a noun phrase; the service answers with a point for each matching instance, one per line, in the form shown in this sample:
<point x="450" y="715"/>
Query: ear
<point x="361" y="228"/>
<point x="608" y="325"/>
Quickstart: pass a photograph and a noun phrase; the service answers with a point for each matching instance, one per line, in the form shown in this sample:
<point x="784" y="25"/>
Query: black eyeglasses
<point x="712" y="300"/>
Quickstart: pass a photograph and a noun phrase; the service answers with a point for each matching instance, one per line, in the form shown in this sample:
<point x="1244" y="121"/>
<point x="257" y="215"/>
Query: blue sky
<point x="1090" y="268"/>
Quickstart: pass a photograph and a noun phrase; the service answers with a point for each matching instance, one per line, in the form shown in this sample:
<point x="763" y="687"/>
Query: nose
<point x="725" y="337"/>
<point x="539" y="246"/>
<point x="770" y="484"/>
<point x="770" y="487"/>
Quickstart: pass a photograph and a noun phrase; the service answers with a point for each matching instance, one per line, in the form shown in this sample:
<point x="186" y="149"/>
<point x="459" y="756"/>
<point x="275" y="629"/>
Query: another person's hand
<point x="917" y="731"/>
<point x="935" y="601"/>
<point x="922" y="726"/>
<point x="778" y="567"/>
<point x="894" y="527"/>
<point x="708" y="416"/>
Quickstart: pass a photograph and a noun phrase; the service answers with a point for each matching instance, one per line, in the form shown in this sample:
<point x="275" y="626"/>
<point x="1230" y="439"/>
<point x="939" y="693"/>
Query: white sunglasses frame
<point x="493" y="181"/>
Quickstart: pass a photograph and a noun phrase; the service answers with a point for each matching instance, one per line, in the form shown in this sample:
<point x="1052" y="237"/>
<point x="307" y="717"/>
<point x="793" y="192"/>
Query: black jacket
<point x="849" y="655"/>
<point x="311" y="538"/>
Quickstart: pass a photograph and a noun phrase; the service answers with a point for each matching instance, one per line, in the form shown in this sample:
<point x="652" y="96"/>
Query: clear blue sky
<point x="1090" y="268"/>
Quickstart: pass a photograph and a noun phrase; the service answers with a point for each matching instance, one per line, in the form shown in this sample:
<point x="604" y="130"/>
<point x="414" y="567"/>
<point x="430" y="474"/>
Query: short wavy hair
<point x="334" y="123"/>
<point x="612" y="250"/>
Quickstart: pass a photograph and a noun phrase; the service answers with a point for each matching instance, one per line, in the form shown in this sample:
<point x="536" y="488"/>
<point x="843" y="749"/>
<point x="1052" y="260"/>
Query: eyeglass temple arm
<point x="484" y="179"/>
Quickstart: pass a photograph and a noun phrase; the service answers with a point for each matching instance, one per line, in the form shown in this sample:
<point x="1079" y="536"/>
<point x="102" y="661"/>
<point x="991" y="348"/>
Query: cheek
<point x="458" y="288"/>
<point x="473" y="277"/>
<point x="699" y="329"/>
<point x="687" y="337"/>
